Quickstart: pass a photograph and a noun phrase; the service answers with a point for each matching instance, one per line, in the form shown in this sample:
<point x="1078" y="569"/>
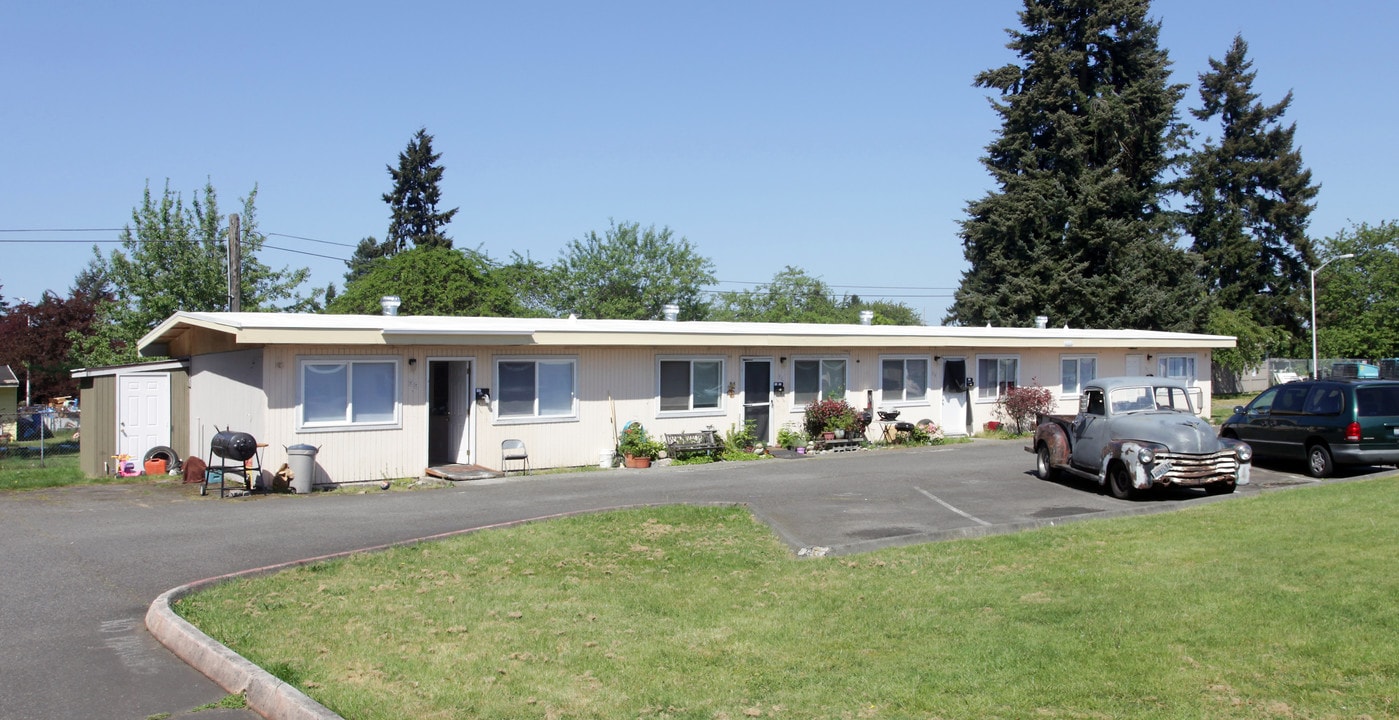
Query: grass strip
<point x="1274" y="606"/>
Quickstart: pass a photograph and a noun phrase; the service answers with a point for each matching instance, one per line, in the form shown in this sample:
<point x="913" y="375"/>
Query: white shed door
<point x="143" y="413"/>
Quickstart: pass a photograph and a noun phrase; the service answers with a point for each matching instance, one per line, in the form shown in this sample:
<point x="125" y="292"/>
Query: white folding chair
<point x="513" y="450"/>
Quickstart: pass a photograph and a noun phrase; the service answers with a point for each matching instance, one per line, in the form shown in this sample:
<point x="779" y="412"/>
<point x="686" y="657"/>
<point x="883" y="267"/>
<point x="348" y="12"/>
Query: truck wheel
<point x="1220" y="488"/>
<point x="1044" y="470"/>
<point x="1120" y="482"/>
<point x="1319" y="462"/>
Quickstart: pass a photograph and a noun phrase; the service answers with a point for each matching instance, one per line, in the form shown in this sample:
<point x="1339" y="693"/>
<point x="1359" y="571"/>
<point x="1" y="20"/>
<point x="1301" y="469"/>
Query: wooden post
<point x="235" y="266"/>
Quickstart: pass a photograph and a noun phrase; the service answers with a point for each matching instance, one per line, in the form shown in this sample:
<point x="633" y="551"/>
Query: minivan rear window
<point x="1377" y="401"/>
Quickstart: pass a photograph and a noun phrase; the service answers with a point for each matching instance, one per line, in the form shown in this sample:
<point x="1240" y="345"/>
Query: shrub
<point x="823" y="415"/>
<point x="742" y="440"/>
<point x="790" y="437"/>
<point x="1020" y="405"/>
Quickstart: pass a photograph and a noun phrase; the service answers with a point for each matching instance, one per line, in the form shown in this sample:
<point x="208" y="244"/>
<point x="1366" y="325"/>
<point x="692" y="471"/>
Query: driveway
<point x="80" y="566"/>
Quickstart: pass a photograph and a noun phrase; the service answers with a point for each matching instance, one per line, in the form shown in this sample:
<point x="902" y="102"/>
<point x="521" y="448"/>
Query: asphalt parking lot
<point x="81" y="565"/>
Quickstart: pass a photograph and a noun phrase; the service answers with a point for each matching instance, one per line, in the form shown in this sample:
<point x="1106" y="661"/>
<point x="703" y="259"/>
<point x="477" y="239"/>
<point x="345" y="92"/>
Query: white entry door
<point x="954" y="396"/>
<point x="143" y="413"/>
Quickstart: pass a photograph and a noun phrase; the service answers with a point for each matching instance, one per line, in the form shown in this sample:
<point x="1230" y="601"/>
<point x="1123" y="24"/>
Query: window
<point x="1075" y="371"/>
<point x="1181" y="367"/>
<point x="903" y="380"/>
<point x="996" y="375"/>
<point x="688" y="385"/>
<point x="814" y="380"/>
<point x="337" y="393"/>
<point x="536" y="388"/>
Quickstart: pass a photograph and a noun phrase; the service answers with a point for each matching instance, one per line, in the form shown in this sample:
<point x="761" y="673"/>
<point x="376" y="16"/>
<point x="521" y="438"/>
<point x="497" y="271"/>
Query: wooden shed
<point x="130" y="409"/>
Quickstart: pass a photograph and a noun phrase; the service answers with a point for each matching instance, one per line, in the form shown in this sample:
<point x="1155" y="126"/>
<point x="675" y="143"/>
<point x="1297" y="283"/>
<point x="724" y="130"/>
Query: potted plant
<point x="637" y="446"/>
<point x="842" y="424"/>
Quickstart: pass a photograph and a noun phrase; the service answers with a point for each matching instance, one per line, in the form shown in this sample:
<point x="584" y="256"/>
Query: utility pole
<point x="235" y="267"/>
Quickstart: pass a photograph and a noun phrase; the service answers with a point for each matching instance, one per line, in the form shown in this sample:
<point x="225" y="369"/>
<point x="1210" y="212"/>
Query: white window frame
<point x="798" y="405"/>
<point x="991" y="392"/>
<point x="535" y="417"/>
<point x="718" y="410"/>
<point x="349" y="363"/>
<point x="1191" y="360"/>
<point x="904" y="399"/>
<point x="1078" y="373"/>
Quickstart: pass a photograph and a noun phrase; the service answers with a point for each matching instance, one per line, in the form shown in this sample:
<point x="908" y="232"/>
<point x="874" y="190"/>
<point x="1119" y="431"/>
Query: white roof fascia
<point x="306" y="328"/>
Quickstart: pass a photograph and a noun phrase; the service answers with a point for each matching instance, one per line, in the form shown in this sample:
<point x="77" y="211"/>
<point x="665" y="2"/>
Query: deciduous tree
<point x="430" y="280"/>
<point x="631" y="274"/>
<point x="175" y="257"/>
<point x="1357" y="299"/>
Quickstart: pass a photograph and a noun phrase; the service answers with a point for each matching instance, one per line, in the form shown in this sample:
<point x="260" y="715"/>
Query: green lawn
<point x="25" y="465"/>
<point x="1276" y="606"/>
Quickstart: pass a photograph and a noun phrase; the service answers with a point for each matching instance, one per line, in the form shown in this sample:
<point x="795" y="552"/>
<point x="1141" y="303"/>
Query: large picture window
<point x="903" y="380"/>
<point x="1075" y="371"/>
<point x="996" y="375"/>
<point x="536" y="388"/>
<point x="691" y="384"/>
<point x="816" y="379"/>
<point x="340" y="393"/>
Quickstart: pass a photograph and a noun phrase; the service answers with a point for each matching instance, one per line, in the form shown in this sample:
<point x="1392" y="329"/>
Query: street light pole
<point x="1315" y="370"/>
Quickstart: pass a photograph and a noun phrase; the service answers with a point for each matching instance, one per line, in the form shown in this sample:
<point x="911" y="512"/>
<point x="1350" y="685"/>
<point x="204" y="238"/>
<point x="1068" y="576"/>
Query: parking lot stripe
<point x="941" y="502"/>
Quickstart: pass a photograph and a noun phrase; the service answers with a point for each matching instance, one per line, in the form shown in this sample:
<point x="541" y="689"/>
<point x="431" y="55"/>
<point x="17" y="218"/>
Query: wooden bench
<point x="690" y="442"/>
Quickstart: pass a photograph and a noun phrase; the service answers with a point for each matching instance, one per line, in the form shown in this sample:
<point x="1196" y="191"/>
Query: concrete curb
<point x="266" y="694"/>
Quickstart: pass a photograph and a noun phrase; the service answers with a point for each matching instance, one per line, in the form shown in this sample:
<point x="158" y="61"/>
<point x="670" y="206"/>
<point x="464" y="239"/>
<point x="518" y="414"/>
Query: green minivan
<point x="1324" y="422"/>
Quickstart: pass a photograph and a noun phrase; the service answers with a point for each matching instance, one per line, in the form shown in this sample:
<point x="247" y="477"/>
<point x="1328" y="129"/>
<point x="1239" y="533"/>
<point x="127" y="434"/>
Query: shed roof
<point x="190" y="333"/>
<point x="7" y="376"/>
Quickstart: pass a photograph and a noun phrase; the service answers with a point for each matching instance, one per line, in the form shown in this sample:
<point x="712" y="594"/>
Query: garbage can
<point x="302" y="459"/>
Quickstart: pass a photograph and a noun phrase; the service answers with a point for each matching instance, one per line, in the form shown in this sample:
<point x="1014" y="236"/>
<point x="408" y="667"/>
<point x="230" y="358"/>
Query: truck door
<point x="1090" y="431"/>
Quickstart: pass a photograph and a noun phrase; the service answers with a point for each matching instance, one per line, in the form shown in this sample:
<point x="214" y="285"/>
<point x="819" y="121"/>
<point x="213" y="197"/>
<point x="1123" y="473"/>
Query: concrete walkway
<point x="82" y="566"/>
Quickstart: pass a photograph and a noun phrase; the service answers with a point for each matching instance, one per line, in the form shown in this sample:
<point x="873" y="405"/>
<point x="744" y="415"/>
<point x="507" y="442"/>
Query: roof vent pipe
<point x="390" y="304"/>
<point x="672" y="312"/>
<point x="866" y="317"/>
<point x="1041" y="321"/>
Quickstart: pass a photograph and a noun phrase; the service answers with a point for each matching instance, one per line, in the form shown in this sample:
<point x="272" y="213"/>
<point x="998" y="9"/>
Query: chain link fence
<point x="39" y="436"/>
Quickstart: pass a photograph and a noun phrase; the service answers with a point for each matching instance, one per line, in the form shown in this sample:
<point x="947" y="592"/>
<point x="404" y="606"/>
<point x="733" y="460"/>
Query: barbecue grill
<point x="237" y="453"/>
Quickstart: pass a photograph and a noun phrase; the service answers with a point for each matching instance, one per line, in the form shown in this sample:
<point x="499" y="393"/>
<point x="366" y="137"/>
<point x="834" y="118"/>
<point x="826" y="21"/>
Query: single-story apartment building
<point x="387" y="396"/>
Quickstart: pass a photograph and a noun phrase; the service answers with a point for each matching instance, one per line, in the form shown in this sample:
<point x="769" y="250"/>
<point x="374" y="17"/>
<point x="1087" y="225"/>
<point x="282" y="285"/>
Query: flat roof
<point x="257" y="329"/>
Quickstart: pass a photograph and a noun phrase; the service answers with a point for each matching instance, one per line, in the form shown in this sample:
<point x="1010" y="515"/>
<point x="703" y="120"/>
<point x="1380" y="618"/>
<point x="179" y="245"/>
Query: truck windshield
<point x="1136" y="399"/>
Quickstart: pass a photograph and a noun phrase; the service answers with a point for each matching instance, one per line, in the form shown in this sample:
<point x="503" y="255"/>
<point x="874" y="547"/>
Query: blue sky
<point x="840" y="138"/>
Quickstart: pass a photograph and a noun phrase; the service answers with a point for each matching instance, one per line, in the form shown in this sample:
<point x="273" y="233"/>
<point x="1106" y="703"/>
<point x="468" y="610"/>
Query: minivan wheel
<point x="1120" y="482"/>
<point x="1319" y="462"/>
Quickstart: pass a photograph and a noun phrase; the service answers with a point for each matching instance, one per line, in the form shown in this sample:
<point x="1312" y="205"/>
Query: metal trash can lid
<point x="303" y="449"/>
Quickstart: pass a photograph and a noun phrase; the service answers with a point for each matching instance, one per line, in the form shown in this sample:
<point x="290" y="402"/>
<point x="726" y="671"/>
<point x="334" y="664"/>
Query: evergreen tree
<point x="1075" y="229"/>
<point x="367" y="252"/>
<point x="1249" y="199"/>
<point x="413" y="201"/>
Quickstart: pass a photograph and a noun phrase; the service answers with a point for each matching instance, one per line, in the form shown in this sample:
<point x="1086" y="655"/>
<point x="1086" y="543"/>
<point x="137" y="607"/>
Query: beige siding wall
<point x="615" y="386"/>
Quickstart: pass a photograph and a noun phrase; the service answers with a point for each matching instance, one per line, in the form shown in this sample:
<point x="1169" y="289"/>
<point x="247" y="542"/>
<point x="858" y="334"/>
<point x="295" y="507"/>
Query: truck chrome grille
<point x="1198" y="469"/>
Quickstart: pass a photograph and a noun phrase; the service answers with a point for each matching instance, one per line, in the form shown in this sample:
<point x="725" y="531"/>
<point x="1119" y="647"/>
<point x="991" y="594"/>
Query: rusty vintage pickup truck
<point x="1135" y="433"/>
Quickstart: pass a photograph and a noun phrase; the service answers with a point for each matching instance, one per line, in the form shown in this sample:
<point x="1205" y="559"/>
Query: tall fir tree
<point x="1075" y="228"/>
<point x="413" y="201"/>
<point x="1249" y="199"/>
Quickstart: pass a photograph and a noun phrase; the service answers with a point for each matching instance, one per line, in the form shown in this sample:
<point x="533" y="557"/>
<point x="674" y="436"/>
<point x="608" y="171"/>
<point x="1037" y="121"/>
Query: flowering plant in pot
<point x="638" y="447"/>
